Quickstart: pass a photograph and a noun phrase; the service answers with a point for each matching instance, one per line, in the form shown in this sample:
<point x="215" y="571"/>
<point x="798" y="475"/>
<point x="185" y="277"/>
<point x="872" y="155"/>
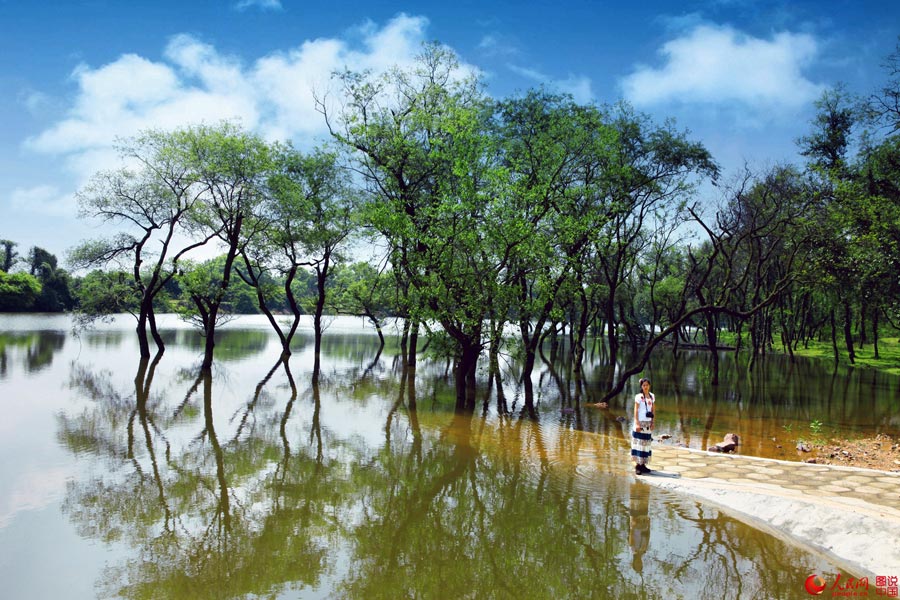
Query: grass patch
<point x="888" y="359"/>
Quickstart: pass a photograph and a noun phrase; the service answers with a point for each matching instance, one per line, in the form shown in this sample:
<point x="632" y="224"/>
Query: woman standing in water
<point x="643" y="425"/>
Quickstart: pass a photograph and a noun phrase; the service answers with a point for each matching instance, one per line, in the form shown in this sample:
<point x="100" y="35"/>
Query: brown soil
<point x="880" y="452"/>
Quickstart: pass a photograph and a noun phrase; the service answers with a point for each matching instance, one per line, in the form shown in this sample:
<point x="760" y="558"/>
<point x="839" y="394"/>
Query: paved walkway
<point x="851" y="513"/>
<point x="878" y="488"/>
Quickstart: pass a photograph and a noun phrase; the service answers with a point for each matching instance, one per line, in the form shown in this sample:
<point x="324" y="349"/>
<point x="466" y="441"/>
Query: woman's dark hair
<point x="643" y="379"/>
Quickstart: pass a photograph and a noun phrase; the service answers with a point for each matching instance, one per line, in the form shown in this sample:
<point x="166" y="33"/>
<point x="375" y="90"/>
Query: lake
<point x="125" y="478"/>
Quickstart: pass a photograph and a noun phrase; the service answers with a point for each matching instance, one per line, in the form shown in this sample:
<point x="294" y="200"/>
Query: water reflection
<point x="639" y="523"/>
<point x="459" y="508"/>
<point x="254" y="481"/>
<point x="36" y="349"/>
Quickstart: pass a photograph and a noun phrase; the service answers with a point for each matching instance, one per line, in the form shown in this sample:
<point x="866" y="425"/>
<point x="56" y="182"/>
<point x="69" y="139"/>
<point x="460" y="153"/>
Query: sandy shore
<point x="863" y="538"/>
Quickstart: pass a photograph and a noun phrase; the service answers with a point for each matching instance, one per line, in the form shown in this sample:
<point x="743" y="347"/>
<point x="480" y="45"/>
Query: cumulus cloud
<point x="578" y="86"/>
<point x="718" y="65"/>
<point x="194" y="82"/>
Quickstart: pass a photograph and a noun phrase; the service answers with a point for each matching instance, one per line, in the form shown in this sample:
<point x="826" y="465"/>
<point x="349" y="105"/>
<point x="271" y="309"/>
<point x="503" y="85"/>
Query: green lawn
<point x="888" y="354"/>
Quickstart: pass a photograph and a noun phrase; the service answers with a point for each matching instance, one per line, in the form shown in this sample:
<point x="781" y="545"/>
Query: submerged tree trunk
<point x="252" y="278"/>
<point x="413" y="344"/>
<point x="579" y="334"/>
<point x="612" y="334"/>
<point x="141" y="330"/>
<point x="209" y="344"/>
<point x="154" y="331"/>
<point x="404" y="340"/>
<point x="321" y="279"/>
<point x="464" y="375"/>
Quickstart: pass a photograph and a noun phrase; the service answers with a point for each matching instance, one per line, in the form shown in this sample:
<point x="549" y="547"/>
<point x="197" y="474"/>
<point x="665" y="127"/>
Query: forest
<point x="490" y="225"/>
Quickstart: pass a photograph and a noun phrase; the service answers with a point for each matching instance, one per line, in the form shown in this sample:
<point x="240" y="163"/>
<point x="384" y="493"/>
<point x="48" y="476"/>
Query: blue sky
<point x="741" y="75"/>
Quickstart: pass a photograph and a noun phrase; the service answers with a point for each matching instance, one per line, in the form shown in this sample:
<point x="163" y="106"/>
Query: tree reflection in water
<point x="266" y="501"/>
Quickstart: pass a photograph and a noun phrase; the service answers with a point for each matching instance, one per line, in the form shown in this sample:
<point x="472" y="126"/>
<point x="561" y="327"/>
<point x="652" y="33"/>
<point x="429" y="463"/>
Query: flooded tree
<point x="229" y="166"/>
<point x="149" y="201"/>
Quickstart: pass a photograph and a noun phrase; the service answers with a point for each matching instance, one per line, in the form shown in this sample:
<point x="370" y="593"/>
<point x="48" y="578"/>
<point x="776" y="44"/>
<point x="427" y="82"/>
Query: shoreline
<point x="859" y="534"/>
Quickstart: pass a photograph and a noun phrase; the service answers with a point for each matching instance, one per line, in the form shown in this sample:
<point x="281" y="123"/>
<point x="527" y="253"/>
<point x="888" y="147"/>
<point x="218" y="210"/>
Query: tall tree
<point x="750" y="256"/>
<point x="230" y="166"/>
<point x="149" y="201"/>
<point x="311" y="211"/>
<point x="653" y="172"/>
<point x="553" y="153"/>
<point x="827" y="150"/>
<point x="421" y="147"/>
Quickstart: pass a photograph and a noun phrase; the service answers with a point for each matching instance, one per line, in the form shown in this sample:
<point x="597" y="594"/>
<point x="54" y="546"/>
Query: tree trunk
<point x="154" y="331"/>
<point x="612" y="334"/>
<point x="712" y="338"/>
<point x="413" y="344"/>
<point x="141" y="329"/>
<point x="317" y="316"/>
<point x="579" y="335"/>
<point x="404" y="340"/>
<point x="834" y="344"/>
<point x="216" y="303"/>
<point x="295" y="310"/>
<point x="377" y="325"/>
<point x="209" y="340"/>
<point x="862" y="324"/>
<point x="464" y="375"/>
<point x="848" y="332"/>
<point x="875" y="332"/>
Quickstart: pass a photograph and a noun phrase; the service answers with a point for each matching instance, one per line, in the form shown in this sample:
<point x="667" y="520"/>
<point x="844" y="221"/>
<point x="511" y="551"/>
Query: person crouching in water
<point x="643" y="425"/>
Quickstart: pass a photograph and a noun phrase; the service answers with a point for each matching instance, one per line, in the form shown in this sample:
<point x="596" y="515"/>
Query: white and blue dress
<point x="640" y="440"/>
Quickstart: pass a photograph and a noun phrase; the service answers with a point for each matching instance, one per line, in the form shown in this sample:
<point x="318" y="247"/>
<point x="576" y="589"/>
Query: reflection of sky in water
<point x="87" y="387"/>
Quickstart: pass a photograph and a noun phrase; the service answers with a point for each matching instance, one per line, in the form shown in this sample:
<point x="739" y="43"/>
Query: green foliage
<point x="18" y="292"/>
<point x="103" y="293"/>
<point x="8" y="255"/>
<point x="45" y="288"/>
<point x="360" y="289"/>
<point x="203" y="281"/>
<point x="815" y="427"/>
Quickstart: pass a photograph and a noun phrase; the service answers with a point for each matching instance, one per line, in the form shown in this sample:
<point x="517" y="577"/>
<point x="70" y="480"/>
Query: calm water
<point x="124" y="479"/>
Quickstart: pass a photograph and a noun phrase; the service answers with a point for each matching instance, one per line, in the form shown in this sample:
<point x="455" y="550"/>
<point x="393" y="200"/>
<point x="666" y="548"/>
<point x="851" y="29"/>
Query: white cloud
<point x="528" y="73"/>
<point x="719" y="65"/>
<point x="45" y="200"/>
<point x="194" y="83"/>
<point x="578" y="86"/>
<point x="395" y="44"/>
<point x="494" y="44"/>
<point x="261" y="4"/>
